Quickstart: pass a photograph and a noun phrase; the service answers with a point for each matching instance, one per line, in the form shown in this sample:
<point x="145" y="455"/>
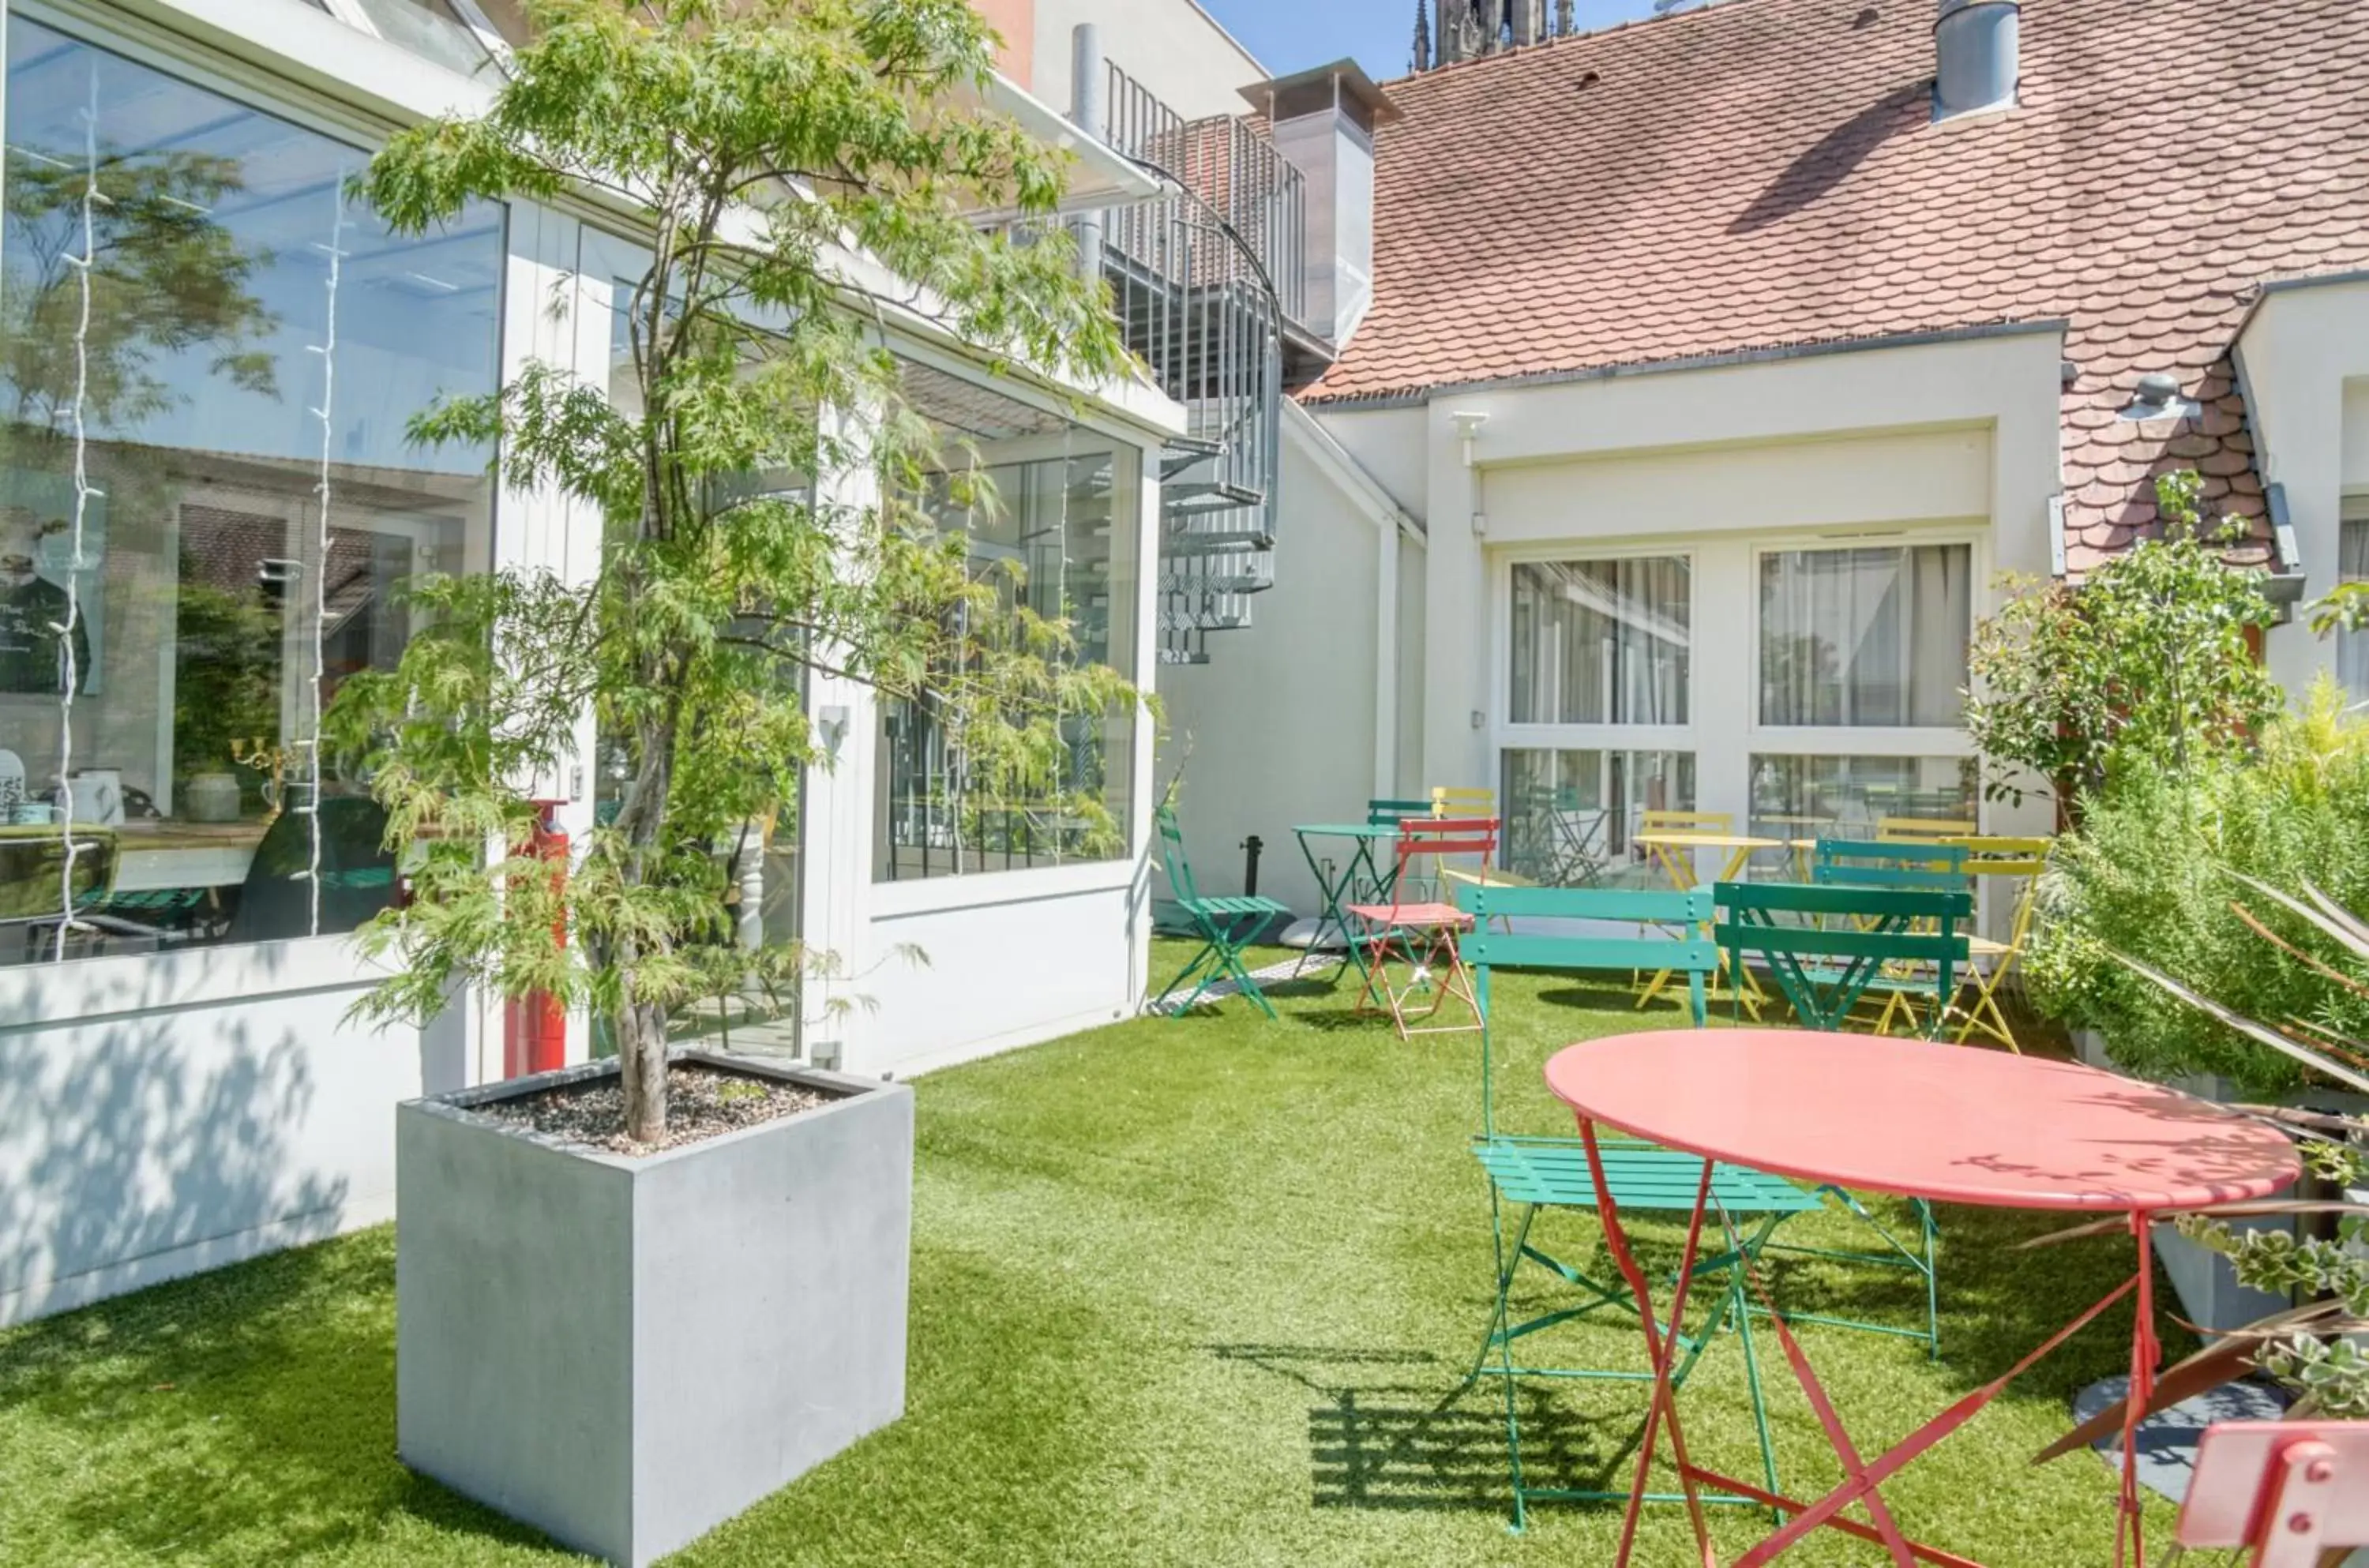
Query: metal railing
<point x="1204" y="281"/>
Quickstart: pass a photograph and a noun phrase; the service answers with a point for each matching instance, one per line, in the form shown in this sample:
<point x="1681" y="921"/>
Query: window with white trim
<point x="2352" y="566"/>
<point x="210" y="505"/>
<point x="1864" y="636"/>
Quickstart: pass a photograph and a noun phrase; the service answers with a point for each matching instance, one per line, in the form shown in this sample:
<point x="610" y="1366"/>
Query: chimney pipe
<point x="1975" y="46"/>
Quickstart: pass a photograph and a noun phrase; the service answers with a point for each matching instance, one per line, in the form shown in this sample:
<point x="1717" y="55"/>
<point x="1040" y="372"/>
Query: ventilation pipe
<point x="1975" y="44"/>
<point x="1323" y="122"/>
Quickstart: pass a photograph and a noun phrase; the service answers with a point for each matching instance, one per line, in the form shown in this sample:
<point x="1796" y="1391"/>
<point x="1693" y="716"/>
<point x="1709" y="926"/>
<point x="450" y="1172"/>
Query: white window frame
<point x="1506" y="735"/>
<point x="1860" y="740"/>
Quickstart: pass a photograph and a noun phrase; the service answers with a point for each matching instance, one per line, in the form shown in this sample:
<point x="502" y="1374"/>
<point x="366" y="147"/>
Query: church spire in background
<point x="1465" y="30"/>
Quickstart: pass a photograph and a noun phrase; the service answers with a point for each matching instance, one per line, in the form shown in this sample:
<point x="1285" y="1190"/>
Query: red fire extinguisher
<point x="534" y="1026"/>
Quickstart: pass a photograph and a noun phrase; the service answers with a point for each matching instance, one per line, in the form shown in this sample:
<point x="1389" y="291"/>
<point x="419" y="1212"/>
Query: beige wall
<point x="1173" y="46"/>
<point x="1955" y="441"/>
<point x="2304" y="358"/>
<point x="1016" y="20"/>
<point x="2355" y="478"/>
<point x="1816" y="440"/>
<point x="1811" y="485"/>
<point x="1389" y="445"/>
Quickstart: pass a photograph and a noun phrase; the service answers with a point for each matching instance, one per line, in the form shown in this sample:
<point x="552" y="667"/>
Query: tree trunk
<point x="642" y="1056"/>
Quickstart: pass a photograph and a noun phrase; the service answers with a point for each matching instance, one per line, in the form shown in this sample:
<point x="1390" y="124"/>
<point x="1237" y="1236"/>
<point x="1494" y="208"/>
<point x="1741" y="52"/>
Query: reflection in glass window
<point x="1059" y="513"/>
<point x="1568" y="810"/>
<point x="1865" y="637"/>
<point x="1849" y="797"/>
<point x="256" y="341"/>
<point x="1601" y="642"/>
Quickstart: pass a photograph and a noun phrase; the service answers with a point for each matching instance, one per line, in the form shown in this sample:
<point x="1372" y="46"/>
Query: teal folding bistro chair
<point x="1826" y="946"/>
<point x="1223" y="924"/>
<point x="1533" y="1175"/>
<point x="1902" y="867"/>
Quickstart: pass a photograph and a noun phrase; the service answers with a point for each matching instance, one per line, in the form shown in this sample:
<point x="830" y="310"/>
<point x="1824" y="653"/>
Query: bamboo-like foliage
<point x="803" y="168"/>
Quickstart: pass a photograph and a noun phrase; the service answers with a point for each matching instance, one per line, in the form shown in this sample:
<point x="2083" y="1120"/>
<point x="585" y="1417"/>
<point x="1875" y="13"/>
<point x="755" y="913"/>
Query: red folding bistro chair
<point x="1418" y="929"/>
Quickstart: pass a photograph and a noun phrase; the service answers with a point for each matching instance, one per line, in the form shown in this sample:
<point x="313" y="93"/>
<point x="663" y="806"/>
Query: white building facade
<point x="180" y="1082"/>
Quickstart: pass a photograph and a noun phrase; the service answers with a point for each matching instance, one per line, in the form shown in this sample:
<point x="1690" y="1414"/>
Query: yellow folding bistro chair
<point x="1471" y="804"/>
<point x="2018" y="862"/>
<point x="1923" y="829"/>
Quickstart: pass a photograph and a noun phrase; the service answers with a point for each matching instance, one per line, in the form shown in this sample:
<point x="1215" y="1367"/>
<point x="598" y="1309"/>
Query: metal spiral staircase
<point x="1207" y="282"/>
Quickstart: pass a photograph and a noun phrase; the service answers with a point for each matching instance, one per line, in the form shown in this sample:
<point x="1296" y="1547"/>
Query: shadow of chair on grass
<point x="1393" y="1431"/>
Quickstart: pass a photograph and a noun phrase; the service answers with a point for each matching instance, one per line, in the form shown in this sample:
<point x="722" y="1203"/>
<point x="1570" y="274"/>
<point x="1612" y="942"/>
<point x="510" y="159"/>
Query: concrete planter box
<point x="2209" y="1295"/>
<point x="627" y="1352"/>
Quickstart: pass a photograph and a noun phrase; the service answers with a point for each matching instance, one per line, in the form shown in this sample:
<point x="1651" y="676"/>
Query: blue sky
<point x="1291" y="35"/>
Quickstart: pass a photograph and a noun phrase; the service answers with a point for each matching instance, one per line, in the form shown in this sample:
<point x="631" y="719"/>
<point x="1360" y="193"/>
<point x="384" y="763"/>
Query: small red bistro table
<point x="1944" y="1123"/>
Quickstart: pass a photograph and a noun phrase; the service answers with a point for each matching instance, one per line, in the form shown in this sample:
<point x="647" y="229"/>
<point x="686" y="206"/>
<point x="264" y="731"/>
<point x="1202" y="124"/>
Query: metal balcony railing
<point x="1203" y="282"/>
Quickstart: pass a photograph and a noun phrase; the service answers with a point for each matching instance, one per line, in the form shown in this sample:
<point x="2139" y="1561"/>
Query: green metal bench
<point x="1533" y="1175"/>
<point x="1221" y="923"/>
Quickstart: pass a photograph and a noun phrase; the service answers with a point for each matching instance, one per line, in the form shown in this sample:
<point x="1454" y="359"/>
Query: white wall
<point x="2305" y="360"/>
<point x="166" y="1115"/>
<point x="1736" y="446"/>
<point x="1390" y="445"/>
<point x="1173" y="46"/>
<point x="1293" y="719"/>
<point x="2355" y="478"/>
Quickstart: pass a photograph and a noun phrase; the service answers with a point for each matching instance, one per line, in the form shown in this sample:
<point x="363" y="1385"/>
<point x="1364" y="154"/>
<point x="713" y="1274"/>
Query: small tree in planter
<point x="2148" y="663"/>
<point x="776" y="150"/>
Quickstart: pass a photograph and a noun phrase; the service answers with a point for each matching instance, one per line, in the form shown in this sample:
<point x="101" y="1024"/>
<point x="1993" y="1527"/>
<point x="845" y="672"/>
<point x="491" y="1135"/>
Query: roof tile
<point x="1765" y="172"/>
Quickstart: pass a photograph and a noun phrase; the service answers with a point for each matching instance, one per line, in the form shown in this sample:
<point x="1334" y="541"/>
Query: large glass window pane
<point x="429" y="29"/>
<point x="2352" y="566"/>
<point x="1601" y="642"/>
<point x="1055" y="522"/>
<point x="232" y="374"/>
<point x="1571" y="816"/>
<point x="1849" y="798"/>
<point x="1865" y="637"/>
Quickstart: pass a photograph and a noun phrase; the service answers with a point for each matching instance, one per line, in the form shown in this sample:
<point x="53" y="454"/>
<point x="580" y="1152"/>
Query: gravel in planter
<point x="702" y="1102"/>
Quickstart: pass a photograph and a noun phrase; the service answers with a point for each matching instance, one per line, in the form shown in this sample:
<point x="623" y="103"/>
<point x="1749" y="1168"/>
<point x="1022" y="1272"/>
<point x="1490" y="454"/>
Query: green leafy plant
<point x="2315" y="1349"/>
<point x="803" y="168"/>
<point x="2149" y="875"/>
<point x="2148" y="664"/>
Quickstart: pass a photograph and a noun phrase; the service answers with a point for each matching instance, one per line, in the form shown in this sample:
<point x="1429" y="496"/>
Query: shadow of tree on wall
<point x="244" y="1416"/>
<point x="152" y="1130"/>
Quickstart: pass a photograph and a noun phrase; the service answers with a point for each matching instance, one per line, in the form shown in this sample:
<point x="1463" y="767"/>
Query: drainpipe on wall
<point x="1089" y="113"/>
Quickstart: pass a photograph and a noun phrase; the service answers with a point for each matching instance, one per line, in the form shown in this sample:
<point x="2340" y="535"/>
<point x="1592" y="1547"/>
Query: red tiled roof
<point x="1765" y="172"/>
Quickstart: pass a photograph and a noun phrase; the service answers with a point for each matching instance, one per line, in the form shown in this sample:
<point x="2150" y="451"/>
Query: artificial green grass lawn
<point x="1192" y="1292"/>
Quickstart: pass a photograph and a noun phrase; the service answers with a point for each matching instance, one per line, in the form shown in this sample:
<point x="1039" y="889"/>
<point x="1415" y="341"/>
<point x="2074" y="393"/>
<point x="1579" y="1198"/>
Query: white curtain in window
<point x="2351" y="565"/>
<point x="1601" y="642"/>
<point x="1865" y="637"/>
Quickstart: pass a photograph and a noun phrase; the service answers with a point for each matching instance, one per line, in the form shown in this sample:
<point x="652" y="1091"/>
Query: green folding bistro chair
<point x="1222" y="923"/>
<point x="1532" y="1174"/>
<point x="1901" y="865"/>
<point x="1826" y="946"/>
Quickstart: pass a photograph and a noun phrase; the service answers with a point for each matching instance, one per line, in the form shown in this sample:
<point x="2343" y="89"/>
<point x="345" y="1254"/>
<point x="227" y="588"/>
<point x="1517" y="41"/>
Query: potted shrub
<point x="633" y="1297"/>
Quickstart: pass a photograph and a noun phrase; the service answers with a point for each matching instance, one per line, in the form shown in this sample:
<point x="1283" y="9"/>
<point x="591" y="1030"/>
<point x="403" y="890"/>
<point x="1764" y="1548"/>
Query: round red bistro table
<point x="1947" y="1123"/>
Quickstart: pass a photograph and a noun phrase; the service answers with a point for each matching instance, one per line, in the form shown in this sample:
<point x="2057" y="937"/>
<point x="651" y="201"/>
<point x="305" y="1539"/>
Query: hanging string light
<point x="83" y="492"/>
<point x="310" y="741"/>
<point x="1061" y="608"/>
